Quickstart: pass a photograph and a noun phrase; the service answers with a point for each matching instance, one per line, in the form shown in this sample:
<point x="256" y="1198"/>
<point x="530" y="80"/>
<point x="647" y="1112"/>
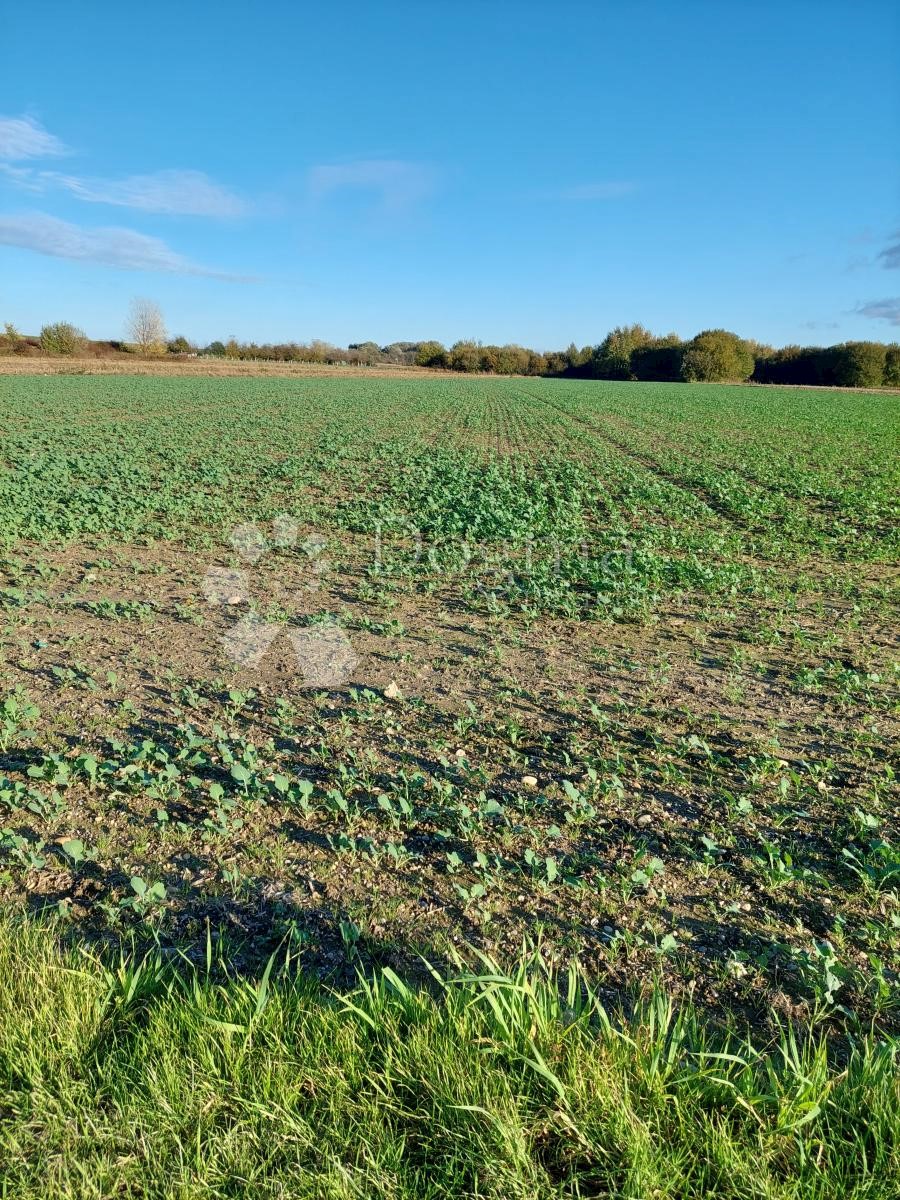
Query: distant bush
<point x="794" y="364"/>
<point x="628" y="352"/>
<point x="62" y="338"/>
<point x="466" y="356"/>
<point x="11" y="341"/>
<point x="612" y="358"/>
<point x="717" y="356"/>
<point x="859" y="364"/>
<point x="661" y="361"/>
<point x="431" y="354"/>
<point x="365" y="353"/>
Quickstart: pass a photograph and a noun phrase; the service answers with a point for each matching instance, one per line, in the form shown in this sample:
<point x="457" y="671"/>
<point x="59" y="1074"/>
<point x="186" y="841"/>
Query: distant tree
<point x="232" y="348"/>
<point x="810" y="365"/>
<point x="465" y="356"/>
<point x="577" y="362"/>
<point x="660" y="361"/>
<point x="488" y="360"/>
<point x="367" y="353"/>
<point x="179" y="345"/>
<point x="612" y="358"/>
<point x="146" y="327"/>
<point x="400" y="352"/>
<point x="431" y="354"/>
<point x="859" y="364"/>
<point x="537" y="363"/>
<point x="512" y="360"/>
<point x="716" y="356"/>
<point x="322" y="352"/>
<point x="760" y="349"/>
<point x="215" y="349"/>
<point x="13" y="342"/>
<point x="555" y="362"/>
<point x="892" y="365"/>
<point x="62" y="338"/>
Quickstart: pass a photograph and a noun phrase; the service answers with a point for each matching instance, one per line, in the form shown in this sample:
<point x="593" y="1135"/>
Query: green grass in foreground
<point x="133" y="1080"/>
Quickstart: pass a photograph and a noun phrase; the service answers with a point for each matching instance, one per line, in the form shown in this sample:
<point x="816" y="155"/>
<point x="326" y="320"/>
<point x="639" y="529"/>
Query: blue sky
<point x="529" y="172"/>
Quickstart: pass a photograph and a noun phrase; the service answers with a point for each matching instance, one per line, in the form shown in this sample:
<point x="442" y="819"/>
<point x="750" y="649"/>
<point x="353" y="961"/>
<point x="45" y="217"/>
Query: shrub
<point x="62" y="338"/>
<point x="431" y="354"/>
<point x="795" y="365"/>
<point x="11" y="341"/>
<point x="892" y="366"/>
<point x="859" y="364"/>
<point x="466" y="356"/>
<point x="717" y="356"/>
<point x="660" y="362"/>
<point x="612" y="358"/>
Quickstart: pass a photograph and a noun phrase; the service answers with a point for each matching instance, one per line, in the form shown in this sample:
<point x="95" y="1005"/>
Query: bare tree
<point x="146" y="327"/>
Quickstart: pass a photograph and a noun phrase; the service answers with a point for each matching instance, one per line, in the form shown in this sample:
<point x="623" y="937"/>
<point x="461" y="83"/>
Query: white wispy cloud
<point x="23" y="137"/>
<point x="181" y="193"/>
<point x="169" y="192"/>
<point x="882" y="310"/>
<point x="608" y="190"/>
<point x="125" y="249"/>
<point x="398" y="185"/>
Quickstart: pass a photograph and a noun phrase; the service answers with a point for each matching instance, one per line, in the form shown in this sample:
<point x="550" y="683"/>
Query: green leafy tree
<point x="717" y="356"/>
<point x="489" y="361"/>
<point x="431" y="354"/>
<point x="570" y="361"/>
<point x="810" y="365"/>
<point x="179" y="345"/>
<point x="466" y="356"/>
<point x="659" y="361"/>
<point x="892" y="365"/>
<point x="555" y="362"/>
<point x="512" y="360"/>
<point x="62" y="338"/>
<point x="859" y="364"/>
<point x="612" y="358"/>
<point x="12" y="340"/>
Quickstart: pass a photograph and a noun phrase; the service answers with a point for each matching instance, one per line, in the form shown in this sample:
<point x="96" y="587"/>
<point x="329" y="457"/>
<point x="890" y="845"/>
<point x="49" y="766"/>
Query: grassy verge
<point x="133" y="1079"/>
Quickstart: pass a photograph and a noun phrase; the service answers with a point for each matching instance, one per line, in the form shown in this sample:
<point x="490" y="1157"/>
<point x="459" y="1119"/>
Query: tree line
<point x="631" y="352"/>
<point x="628" y="352"/>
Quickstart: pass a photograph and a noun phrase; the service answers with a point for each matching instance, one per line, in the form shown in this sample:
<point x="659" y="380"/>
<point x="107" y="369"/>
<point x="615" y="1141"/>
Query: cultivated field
<point x="369" y="670"/>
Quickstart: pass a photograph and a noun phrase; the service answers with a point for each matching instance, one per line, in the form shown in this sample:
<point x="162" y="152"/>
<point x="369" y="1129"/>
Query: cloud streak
<point x="23" y="137"/>
<point x="398" y="185"/>
<point x="882" y="310"/>
<point x="168" y="192"/>
<point x="124" y="249"/>
<point x="890" y="256"/>
<point x="171" y="193"/>
<point x="611" y="189"/>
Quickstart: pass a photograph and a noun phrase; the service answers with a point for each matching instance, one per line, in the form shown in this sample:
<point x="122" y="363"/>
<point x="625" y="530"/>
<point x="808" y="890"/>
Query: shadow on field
<point x="286" y="885"/>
